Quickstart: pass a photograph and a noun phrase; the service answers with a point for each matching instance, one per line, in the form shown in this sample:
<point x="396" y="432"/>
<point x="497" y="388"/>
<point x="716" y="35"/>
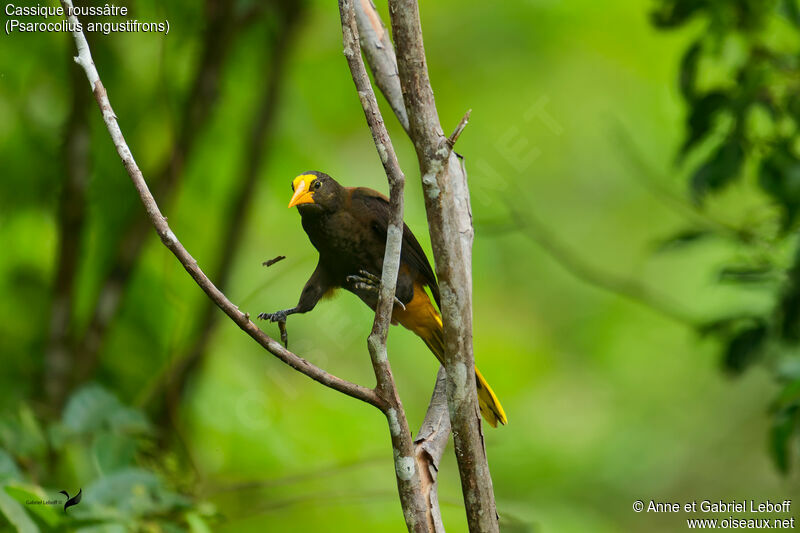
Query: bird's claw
<point x="376" y="280"/>
<point x="280" y="318"/>
<point x="366" y="281"/>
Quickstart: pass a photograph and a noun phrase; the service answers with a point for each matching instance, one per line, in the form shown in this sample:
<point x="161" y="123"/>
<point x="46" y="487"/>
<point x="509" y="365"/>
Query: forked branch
<point x="418" y="514"/>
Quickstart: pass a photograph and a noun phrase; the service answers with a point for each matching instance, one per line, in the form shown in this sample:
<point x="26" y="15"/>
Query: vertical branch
<point x="429" y="446"/>
<point x="444" y="182"/>
<point x="417" y="513"/>
<point x="378" y="50"/>
<point x="71" y="217"/>
<point x="434" y="433"/>
<point x="447" y="199"/>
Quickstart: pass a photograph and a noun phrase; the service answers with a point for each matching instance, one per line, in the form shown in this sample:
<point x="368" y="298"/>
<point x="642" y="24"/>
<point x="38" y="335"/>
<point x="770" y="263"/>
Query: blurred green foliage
<point x="102" y="448"/>
<point x="607" y="401"/>
<point x="740" y="81"/>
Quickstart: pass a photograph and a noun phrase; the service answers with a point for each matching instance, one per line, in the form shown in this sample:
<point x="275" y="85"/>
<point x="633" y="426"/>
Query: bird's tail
<point x="421" y="317"/>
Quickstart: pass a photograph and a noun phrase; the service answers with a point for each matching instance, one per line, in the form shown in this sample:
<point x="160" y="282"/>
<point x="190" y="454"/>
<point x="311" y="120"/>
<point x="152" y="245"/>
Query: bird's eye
<point x="317" y="185"/>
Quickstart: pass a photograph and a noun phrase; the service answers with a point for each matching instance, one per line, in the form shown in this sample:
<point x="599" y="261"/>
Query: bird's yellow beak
<point x="302" y="190"/>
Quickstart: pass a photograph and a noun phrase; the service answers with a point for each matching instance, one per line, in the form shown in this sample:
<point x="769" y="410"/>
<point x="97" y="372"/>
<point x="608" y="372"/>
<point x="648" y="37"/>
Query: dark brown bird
<point x="347" y="226"/>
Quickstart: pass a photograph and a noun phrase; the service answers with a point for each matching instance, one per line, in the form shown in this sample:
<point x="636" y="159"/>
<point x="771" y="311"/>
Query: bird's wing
<point x="412" y="253"/>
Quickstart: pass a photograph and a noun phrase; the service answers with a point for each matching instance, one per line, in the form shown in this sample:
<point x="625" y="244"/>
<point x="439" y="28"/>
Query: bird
<point x="348" y="227"/>
<point x="75" y="500"/>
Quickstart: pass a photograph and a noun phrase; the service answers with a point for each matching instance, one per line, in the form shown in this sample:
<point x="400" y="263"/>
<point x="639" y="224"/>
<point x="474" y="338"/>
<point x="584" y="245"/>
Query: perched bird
<point x="347" y="226"/>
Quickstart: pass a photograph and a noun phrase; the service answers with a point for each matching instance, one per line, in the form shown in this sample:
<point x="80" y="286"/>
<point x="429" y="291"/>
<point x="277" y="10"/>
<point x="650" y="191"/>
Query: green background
<point x="608" y="401"/>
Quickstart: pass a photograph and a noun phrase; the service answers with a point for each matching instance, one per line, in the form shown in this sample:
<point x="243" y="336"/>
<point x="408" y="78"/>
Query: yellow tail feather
<point x="421" y="317"/>
<point x="490" y="406"/>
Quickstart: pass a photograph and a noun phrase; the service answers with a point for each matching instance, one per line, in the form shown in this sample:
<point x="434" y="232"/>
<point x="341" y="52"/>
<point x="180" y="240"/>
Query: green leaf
<point x="8" y="468"/>
<point x="674" y="13"/>
<point x="130" y="492"/>
<point x="788" y="369"/>
<point x="688" y="71"/>
<point x="23" y="435"/>
<point x="196" y="523"/>
<point x="92" y="408"/>
<point x="682" y="239"/>
<point x="128" y="420"/>
<point x="35" y="437"/>
<point x="791" y="11"/>
<point x="103" y="528"/>
<point x="719" y="170"/>
<point x="789" y="396"/>
<point x="113" y="451"/>
<point x="725" y="325"/>
<point x="784" y="426"/>
<point x="88" y="409"/>
<point x="15" y="513"/>
<point x="748" y="274"/>
<point x="49" y="514"/>
<point x="779" y="177"/>
<point x="702" y="116"/>
<point x="789" y="313"/>
<point x="745" y="348"/>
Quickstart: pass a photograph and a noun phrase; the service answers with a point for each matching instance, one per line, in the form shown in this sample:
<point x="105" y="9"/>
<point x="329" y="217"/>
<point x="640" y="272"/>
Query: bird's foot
<point x="366" y="281"/>
<point x="280" y="318"/>
<point x="277" y="316"/>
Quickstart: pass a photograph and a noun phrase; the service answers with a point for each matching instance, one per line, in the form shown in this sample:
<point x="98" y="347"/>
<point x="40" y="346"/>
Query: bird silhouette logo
<point x="75" y="500"/>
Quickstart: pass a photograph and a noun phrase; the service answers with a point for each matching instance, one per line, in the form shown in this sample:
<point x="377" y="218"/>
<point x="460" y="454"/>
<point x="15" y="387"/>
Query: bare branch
<point x="450" y="224"/>
<point x="451" y="141"/>
<point x="435" y="430"/>
<point x="217" y="41"/>
<point x="444" y="182"/>
<point x="170" y="240"/>
<point x="630" y="289"/>
<point x="653" y="182"/>
<point x="291" y="479"/>
<point x="429" y="445"/>
<point x="171" y="385"/>
<point x="415" y="510"/>
<point x="378" y="50"/>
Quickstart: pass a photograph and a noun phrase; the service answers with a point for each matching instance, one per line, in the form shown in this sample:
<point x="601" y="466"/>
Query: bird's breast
<point x="345" y="244"/>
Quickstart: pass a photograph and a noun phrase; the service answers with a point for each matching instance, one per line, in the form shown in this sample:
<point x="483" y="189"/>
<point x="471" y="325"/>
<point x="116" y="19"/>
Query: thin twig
<point x="291" y="479"/>
<point x="172" y="384"/>
<point x="170" y="240"/>
<point x="451" y="141"/>
<point x="415" y="510"/>
<point x="274" y="260"/>
<point x="218" y="39"/>
<point x="645" y="174"/>
<point x="630" y="289"/>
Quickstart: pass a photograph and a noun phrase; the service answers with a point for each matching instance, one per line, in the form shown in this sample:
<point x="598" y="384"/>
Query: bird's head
<point x="314" y="191"/>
